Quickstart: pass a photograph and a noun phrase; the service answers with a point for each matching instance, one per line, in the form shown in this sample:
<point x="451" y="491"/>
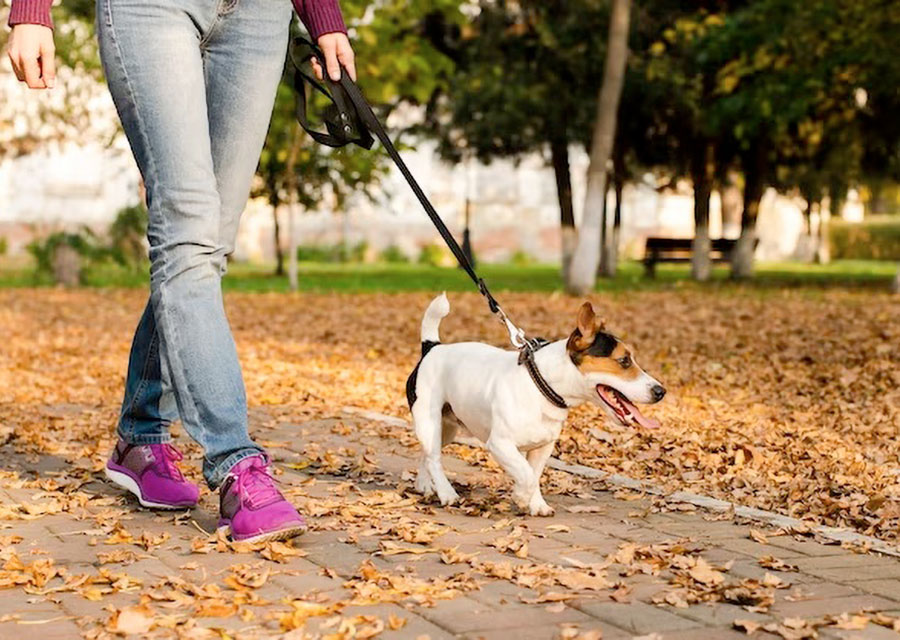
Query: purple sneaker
<point x="252" y="509"/>
<point x="150" y="473"/>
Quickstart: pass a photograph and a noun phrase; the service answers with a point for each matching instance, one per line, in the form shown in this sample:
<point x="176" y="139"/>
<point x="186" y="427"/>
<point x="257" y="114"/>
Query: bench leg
<point x="650" y="268"/>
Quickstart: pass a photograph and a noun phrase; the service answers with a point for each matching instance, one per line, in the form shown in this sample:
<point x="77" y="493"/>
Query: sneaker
<point x="252" y="509"/>
<point x="150" y="473"/>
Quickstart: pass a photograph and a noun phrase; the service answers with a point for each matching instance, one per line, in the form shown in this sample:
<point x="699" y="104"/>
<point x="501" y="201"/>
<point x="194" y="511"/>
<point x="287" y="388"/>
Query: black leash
<point x="349" y="119"/>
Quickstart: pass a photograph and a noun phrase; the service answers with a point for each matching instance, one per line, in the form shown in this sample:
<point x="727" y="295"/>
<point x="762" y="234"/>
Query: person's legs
<point x="153" y="57"/>
<point x="149" y="404"/>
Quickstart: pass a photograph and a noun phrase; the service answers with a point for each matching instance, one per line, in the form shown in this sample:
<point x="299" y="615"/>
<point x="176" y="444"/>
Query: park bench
<point x="679" y="250"/>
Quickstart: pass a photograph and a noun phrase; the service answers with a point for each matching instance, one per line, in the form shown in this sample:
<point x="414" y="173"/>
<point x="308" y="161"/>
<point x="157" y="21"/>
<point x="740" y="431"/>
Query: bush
<point x="435" y="255"/>
<point x="876" y="238"/>
<point x="4" y="246"/>
<point x="332" y="253"/>
<point x="126" y="235"/>
<point x="65" y="255"/>
<point x="393" y="254"/>
<point x="521" y="258"/>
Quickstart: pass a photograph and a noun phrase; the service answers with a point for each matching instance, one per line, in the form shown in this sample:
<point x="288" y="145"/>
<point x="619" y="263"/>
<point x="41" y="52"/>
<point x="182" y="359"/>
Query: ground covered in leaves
<point x="788" y="401"/>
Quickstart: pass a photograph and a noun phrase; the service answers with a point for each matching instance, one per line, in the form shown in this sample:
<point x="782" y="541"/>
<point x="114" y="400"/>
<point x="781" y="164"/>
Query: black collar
<point x="526" y="357"/>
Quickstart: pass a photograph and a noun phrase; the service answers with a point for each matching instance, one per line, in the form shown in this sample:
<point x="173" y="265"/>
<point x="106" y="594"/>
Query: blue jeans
<point x="194" y="82"/>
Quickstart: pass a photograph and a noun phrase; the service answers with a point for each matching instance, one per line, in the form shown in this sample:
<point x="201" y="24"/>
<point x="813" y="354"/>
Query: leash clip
<point x="516" y="334"/>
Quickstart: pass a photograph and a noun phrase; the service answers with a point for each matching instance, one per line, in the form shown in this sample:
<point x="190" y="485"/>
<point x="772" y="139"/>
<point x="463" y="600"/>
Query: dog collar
<point x="526" y="357"/>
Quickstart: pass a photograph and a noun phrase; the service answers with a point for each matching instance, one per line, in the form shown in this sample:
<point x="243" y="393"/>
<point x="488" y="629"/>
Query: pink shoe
<point x="252" y="509"/>
<point x="150" y="473"/>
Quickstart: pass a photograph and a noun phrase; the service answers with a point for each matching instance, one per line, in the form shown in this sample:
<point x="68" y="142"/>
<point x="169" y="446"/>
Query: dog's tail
<point x="435" y="312"/>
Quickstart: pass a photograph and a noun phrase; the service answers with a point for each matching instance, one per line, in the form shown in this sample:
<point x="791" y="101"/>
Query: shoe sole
<point x="281" y="534"/>
<point x="126" y="482"/>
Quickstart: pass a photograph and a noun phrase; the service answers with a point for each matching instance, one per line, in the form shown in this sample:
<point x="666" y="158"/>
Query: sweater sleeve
<point x="319" y="16"/>
<point x="30" y="12"/>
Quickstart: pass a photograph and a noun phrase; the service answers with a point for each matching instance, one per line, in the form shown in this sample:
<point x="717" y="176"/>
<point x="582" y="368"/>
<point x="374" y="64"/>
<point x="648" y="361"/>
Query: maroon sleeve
<point x="319" y="16"/>
<point x="30" y="12"/>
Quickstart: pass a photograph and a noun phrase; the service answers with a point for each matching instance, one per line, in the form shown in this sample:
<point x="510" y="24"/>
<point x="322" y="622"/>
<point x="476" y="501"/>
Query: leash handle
<point x="350" y="120"/>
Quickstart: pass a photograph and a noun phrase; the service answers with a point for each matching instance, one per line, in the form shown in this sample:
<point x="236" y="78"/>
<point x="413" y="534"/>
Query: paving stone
<point x="719" y="614"/>
<point x="63" y="628"/>
<point x="710" y="634"/>
<point x="844" y="560"/>
<point x="871" y="632"/>
<point x="464" y="615"/>
<point x="887" y="588"/>
<point x="856" y="574"/>
<point x="807" y="547"/>
<point x="749" y="547"/>
<point x="637" y="617"/>
<point x="830" y="606"/>
<point x="546" y="632"/>
<point x="414" y="627"/>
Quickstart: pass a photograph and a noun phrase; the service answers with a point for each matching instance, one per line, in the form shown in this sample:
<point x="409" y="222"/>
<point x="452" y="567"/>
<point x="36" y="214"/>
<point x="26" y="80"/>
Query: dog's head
<point x="612" y="377"/>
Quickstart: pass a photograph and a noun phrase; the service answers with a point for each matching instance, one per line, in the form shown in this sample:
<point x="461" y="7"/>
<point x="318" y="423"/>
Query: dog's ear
<point x="585" y="329"/>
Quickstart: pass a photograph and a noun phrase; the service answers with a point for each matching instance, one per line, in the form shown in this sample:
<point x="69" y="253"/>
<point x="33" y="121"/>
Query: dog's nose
<point x="658" y="392"/>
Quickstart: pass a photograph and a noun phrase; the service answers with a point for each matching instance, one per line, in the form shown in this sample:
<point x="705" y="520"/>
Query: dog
<point x="486" y="390"/>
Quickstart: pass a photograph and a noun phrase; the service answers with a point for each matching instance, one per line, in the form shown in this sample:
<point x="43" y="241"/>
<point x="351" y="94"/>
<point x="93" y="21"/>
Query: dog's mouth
<point x="624" y="410"/>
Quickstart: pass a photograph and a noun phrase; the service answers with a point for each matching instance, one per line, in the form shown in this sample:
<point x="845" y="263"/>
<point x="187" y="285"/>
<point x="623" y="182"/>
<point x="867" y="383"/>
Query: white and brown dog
<point x="486" y="390"/>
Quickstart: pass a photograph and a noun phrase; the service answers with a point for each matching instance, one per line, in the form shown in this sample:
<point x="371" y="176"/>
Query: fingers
<point x="317" y="68"/>
<point x="48" y="64"/>
<point x="31" y="52"/>
<point x="329" y="48"/>
<point x="32" y="72"/>
<point x="345" y="57"/>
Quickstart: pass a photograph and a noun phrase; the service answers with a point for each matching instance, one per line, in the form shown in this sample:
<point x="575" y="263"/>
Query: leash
<point x="349" y="119"/>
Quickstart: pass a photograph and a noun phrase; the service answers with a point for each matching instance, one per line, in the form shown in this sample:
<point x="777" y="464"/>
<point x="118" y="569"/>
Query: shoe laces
<point x="167" y="456"/>
<point x="256" y="484"/>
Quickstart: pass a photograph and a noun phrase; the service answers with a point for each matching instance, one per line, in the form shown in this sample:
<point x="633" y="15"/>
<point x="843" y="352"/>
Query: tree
<point x="524" y="82"/>
<point x="583" y="271"/>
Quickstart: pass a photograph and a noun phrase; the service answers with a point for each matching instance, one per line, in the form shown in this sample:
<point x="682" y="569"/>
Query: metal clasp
<point x="516" y="335"/>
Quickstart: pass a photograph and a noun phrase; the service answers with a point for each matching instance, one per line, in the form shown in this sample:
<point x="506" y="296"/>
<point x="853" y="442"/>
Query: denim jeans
<point x="193" y="82"/>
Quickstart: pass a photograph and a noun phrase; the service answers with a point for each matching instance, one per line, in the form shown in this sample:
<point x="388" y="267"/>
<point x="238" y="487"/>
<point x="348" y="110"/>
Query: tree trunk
<point x="753" y="163"/>
<point x="275" y="201"/>
<point x="559" y="155"/>
<point x="583" y="271"/>
<point x="604" y="230"/>
<point x="291" y="181"/>
<point x="702" y="171"/>
<point x="612" y="263"/>
<point x="895" y="285"/>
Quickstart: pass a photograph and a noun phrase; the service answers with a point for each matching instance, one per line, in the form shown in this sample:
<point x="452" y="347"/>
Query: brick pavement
<point x="336" y="465"/>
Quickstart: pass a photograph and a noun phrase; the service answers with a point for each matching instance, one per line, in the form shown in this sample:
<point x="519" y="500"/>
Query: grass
<point x="359" y="278"/>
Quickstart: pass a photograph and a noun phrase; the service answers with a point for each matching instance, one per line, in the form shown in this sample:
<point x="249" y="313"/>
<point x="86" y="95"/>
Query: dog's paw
<point x="543" y="509"/>
<point x="424" y="485"/>
<point x="448" y="498"/>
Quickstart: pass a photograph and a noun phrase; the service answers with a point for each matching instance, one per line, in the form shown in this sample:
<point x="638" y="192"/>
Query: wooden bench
<point x="679" y="250"/>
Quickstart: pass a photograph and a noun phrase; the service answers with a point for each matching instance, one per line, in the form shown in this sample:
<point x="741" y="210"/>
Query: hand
<point x="31" y="51"/>
<point x="338" y="53"/>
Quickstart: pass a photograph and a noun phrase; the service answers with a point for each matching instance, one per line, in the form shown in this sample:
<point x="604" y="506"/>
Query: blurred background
<point x="655" y="141"/>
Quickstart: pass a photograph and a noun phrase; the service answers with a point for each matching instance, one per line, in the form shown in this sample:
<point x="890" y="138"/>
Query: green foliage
<point x="435" y="255"/>
<point x="127" y="234"/>
<point x="873" y="239"/>
<point x="337" y="253"/>
<point x="4" y="245"/>
<point x="84" y="243"/>
<point x="521" y="258"/>
<point x="393" y="255"/>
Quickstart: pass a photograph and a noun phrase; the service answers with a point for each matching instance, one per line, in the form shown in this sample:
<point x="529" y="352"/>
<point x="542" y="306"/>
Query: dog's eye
<point x="625" y="362"/>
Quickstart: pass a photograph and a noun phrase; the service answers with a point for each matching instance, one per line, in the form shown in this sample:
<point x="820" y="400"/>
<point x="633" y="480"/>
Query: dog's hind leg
<point x="429" y="429"/>
<point x="537" y="458"/>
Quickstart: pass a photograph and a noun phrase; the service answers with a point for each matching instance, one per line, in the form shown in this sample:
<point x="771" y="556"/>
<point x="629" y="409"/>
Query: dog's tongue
<point x="639" y="418"/>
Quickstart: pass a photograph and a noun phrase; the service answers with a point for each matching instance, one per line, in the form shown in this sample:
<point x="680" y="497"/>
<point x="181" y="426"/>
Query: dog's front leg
<point x="537" y="458"/>
<point x="514" y="463"/>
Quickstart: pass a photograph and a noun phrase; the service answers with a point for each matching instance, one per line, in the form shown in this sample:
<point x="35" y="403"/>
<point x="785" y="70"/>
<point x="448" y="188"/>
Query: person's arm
<point x="325" y="24"/>
<point x="31" y="48"/>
